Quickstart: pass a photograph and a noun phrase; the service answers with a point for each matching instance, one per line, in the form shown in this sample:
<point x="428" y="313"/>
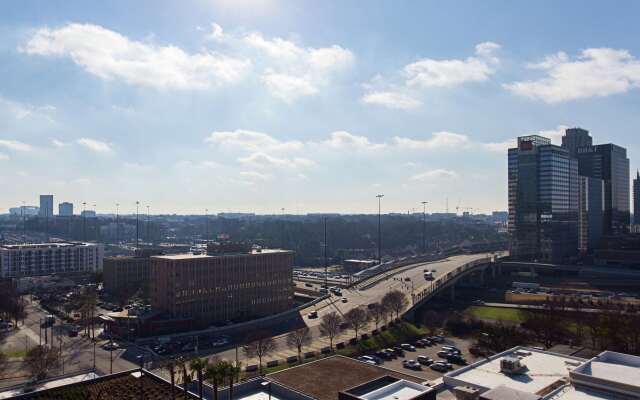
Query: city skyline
<point x="252" y="107"/>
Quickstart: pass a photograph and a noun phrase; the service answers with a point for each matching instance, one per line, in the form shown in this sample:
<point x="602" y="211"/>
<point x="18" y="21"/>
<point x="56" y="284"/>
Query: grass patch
<point x="401" y="332"/>
<point x="279" y="367"/>
<point x="16" y="354"/>
<point x="495" y="313"/>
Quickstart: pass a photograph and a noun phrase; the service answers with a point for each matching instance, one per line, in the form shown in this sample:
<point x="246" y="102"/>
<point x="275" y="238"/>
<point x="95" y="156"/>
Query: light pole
<point x="95" y="211"/>
<point x="325" y="253"/>
<point x="117" y="223"/>
<point x="380" y="196"/>
<point x="84" y="221"/>
<point x="424" y="227"/>
<point x="24" y="224"/>
<point x="206" y="224"/>
<point x="148" y="224"/>
<point x="137" y="224"/>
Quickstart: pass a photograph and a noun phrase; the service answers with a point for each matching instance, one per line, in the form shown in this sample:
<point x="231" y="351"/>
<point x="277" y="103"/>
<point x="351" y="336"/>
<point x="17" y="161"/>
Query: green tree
<point x="199" y="365"/>
<point x="215" y="373"/>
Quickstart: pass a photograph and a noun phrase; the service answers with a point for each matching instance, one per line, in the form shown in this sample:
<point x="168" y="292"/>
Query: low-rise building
<point x="28" y="260"/>
<point x="125" y="275"/>
<point x="219" y="286"/>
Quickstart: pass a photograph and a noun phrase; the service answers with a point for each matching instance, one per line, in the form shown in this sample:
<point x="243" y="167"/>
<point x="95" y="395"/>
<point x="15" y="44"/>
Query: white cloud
<point x="254" y="175"/>
<point x="500" y="147"/>
<point x="110" y="55"/>
<point x="391" y="99"/>
<point x="3" y="157"/>
<point x="251" y="140"/>
<point x="438" y="140"/>
<point x="58" y="143"/>
<point x="22" y="111"/>
<point x="217" y="33"/>
<point x="428" y="72"/>
<point x="188" y="164"/>
<point x="434" y="174"/>
<point x="292" y="71"/>
<point x="15" y="145"/>
<point x="263" y="160"/>
<point x="95" y="145"/>
<point x="343" y="140"/>
<point x="596" y="72"/>
<point x="554" y="134"/>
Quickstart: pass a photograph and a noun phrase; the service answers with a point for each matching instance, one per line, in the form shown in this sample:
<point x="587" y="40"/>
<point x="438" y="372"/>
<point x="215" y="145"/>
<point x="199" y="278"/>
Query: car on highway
<point x="411" y="364"/>
<point x="110" y="346"/>
<point x="312" y="315"/>
<point x="344" y="300"/>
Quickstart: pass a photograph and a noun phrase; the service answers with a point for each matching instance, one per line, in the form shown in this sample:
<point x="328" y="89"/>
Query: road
<point x="356" y="298"/>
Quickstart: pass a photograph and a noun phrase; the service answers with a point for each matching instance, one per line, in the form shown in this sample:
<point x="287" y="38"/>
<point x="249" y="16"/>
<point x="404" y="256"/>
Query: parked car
<point x="312" y="315"/>
<point x="411" y="364"/>
<point x="398" y="351"/>
<point x="384" y="355"/>
<point x="419" y="343"/>
<point x="451" y="349"/>
<point x="456" y="359"/>
<point x="438" y="338"/>
<point x="407" y="347"/>
<point x="440" y="367"/>
<point x="444" y="354"/>
<point x="424" y="360"/>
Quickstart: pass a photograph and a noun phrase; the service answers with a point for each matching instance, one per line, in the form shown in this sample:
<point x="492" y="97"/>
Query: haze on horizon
<point x="255" y="106"/>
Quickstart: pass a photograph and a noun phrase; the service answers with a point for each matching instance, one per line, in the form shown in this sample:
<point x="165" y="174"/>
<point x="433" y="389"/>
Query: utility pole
<point x="380" y="196"/>
<point x="424" y="227"/>
<point x="137" y="224"/>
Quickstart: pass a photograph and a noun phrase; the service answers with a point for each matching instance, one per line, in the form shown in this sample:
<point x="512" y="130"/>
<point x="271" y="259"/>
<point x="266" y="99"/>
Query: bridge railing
<point x="442" y="281"/>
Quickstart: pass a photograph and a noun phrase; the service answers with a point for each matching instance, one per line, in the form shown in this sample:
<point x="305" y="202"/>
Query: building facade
<point x="65" y="209"/>
<point x="217" y="288"/>
<point x="46" y="205"/>
<point x="27" y="260"/>
<point x="591" y="213"/>
<point x="543" y="201"/>
<point x="125" y="275"/>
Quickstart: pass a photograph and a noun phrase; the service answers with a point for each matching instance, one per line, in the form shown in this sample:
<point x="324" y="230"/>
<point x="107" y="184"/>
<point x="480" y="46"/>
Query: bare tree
<point x="40" y="360"/>
<point x="299" y="338"/>
<point x="395" y="300"/>
<point x="376" y="314"/>
<point x="357" y="319"/>
<point x="259" y="345"/>
<point x="330" y="326"/>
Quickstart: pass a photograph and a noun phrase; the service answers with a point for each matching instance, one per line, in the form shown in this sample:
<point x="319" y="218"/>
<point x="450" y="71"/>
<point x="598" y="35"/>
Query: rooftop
<point x="616" y="372"/>
<point x="543" y="371"/>
<point x="323" y="379"/>
<point x="44" y="245"/>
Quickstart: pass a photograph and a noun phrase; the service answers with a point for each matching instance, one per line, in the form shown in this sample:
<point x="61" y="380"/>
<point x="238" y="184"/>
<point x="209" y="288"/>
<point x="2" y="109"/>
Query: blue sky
<point x="312" y="106"/>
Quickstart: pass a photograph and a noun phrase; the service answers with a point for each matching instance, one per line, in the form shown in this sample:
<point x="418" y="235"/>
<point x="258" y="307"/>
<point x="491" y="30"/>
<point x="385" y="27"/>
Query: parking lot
<point x="426" y="372"/>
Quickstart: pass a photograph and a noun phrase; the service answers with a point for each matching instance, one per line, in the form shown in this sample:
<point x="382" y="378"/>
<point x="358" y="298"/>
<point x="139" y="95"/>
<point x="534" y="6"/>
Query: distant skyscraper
<point x="46" y="205"/>
<point x="543" y="201"/>
<point x="591" y="213"/>
<point x="636" y="199"/>
<point x="574" y="139"/>
<point x="65" y="209"/>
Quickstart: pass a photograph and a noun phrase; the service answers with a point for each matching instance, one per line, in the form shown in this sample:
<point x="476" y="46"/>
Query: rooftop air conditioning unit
<point x="512" y="366"/>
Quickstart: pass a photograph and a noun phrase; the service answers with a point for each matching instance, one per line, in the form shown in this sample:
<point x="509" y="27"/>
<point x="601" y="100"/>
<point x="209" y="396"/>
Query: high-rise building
<point x="575" y="138"/>
<point x="636" y="199"/>
<point x="27" y="260"/>
<point x="65" y="209"/>
<point x="46" y="205"/>
<point x="543" y="201"/>
<point x="591" y="213"/>
<point x="609" y="163"/>
<point x="219" y="287"/>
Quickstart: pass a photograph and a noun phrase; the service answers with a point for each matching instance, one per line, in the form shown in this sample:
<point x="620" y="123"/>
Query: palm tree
<point x="170" y="367"/>
<point x="214" y="372"/>
<point x="199" y="365"/>
<point x="234" y="374"/>
<point x="186" y="376"/>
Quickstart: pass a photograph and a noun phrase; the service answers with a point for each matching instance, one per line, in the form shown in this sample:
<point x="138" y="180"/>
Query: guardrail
<point x="444" y="280"/>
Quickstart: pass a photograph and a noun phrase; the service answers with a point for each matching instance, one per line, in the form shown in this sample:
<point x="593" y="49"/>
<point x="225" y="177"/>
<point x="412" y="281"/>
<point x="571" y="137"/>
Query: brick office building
<point x="220" y="286"/>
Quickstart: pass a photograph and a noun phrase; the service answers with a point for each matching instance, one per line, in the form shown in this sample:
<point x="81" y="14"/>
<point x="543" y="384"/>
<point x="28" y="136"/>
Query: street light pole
<point x="137" y="224"/>
<point x="380" y="196"/>
<point x="325" y="253"/>
<point x="148" y="224"/>
<point x="24" y="224"/>
<point x="206" y="224"/>
<point x="424" y="227"/>
<point x="84" y="221"/>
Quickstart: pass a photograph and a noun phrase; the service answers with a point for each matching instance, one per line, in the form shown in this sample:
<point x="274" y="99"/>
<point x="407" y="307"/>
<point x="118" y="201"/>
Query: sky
<point x="255" y="106"/>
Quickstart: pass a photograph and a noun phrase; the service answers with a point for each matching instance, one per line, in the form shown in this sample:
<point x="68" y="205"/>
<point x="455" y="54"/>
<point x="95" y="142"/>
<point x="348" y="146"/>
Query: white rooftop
<point x="610" y="371"/>
<point x="262" y="395"/>
<point x="400" y="390"/>
<point x="543" y="369"/>
<point x="572" y="393"/>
